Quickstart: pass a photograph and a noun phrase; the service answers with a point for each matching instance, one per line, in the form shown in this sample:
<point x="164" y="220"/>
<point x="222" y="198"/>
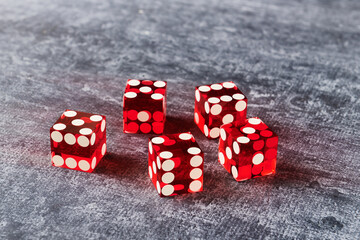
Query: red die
<point x="218" y="104"/>
<point x="248" y="150"/>
<point x="144" y="106"/>
<point x="78" y="140"/>
<point x="176" y="164"/>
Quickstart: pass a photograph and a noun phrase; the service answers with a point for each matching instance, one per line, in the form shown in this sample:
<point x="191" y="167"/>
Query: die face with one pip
<point x="144" y="106"/>
<point x="218" y="104"/>
<point x="78" y="140"/>
<point x="176" y="164"/>
<point x="248" y="150"/>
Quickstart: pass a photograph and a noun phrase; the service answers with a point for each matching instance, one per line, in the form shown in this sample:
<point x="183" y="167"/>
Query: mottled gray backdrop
<point x="297" y="62"/>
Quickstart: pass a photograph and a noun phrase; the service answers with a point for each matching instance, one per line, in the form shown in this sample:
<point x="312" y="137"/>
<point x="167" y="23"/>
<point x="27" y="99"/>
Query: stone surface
<point x="297" y="62"/>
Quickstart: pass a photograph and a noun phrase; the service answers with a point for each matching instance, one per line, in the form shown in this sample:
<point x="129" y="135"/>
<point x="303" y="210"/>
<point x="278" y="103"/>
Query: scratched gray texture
<point x="297" y="62"/>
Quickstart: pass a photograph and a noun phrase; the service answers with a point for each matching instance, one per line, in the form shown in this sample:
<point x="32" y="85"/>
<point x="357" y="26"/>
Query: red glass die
<point x="176" y="164"/>
<point x="218" y="104"/>
<point x="78" y="140"/>
<point x="144" y="109"/>
<point x="248" y="150"/>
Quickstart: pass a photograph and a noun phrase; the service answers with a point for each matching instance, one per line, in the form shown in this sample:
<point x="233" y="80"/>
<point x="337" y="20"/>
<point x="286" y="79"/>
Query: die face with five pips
<point x="248" y="150"/>
<point x="144" y="106"/>
<point x="176" y="164"/>
<point x="78" y="140"/>
<point x="218" y="104"/>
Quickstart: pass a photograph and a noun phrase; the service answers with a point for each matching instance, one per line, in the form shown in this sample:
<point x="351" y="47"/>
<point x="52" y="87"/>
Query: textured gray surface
<point x="297" y="62"/>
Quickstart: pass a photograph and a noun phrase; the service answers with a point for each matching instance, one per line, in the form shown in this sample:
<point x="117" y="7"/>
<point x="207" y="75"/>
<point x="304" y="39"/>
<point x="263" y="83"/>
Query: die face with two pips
<point x="248" y="150"/>
<point x="176" y="164"/>
<point x="144" y="106"/>
<point x="78" y="140"/>
<point x="218" y="104"/>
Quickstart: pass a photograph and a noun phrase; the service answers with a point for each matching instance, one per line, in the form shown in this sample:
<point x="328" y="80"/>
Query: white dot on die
<point x="70" y="114"/>
<point x="85" y="131"/>
<point x="226" y="98"/>
<point x="133" y="82"/>
<point x="196" y="118"/>
<point x="243" y="139"/>
<point x="254" y="121"/>
<point x="207" y="107"/>
<point x="258" y="158"/>
<point x="103" y="124"/>
<point x="150" y="148"/>
<point x="204" y="88"/>
<point x="216" y="109"/>
<point x="77" y="122"/>
<point x="71" y="163"/>
<point x="168" y="165"/>
<point x="154" y="167"/>
<point x="92" y="139"/>
<point x="214" y="100"/>
<point x="223" y="134"/>
<point x="166" y="154"/>
<point x="228" y="153"/>
<point x="59" y="126"/>
<point x="228" y="118"/>
<point x="150" y="172"/>
<point x="236" y="147"/>
<point x="158" y="162"/>
<point x="196" y="161"/>
<point x="158" y="187"/>
<point x="83" y="141"/>
<point x="240" y="106"/>
<point x="195" y="173"/>
<point x="234" y="172"/>
<point x="228" y="85"/>
<point x="206" y="130"/>
<point x="238" y="96"/>
<point x="195" y="185"/>
<point x="143" y="116"/>
<point x="96" y="118"/>
<point x="185" y="136"/>
<point x="84" y="165"/>
<point x="248" y="130"/>
<point x="70" y="139"/>
<point x="159" y="84"/>
<point x="221" y="158"/>
<point x="103" y="149"/>
<point x="130" y="95"/>
<point x="157" y="140"/>
<point x="194" y="150"/>
<point x="93" y="163"/>
<point x="216" y="86"/>
<point x="197" y="95"/>
<point x="56" y="136"/>
<point x="57" y="160"/>
<point x="167" y="190"/>
<point x="145" y="89"/>
<point x="168" y="177"/>
<point x="157" y="96"/>
<point x="214" y="133"/>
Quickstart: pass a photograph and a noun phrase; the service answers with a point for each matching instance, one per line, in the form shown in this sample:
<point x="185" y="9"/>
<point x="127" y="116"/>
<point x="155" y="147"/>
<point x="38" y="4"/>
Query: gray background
<point x="297" y="62"/>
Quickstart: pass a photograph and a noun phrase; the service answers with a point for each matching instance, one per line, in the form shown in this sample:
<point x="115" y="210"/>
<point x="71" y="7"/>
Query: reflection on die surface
<point x="176" y="164"/>
<point x="78" y="140"/>
<point x="248" y="150"/>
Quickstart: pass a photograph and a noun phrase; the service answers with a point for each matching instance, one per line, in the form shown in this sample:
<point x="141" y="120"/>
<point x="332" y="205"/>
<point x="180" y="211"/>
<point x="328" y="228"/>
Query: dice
<point x="144" y="106"/>
<point x="248" y="150"/>
<point x="78" y="140"/>
<point x="176" y="164"/>
<point x="218" y="104"/>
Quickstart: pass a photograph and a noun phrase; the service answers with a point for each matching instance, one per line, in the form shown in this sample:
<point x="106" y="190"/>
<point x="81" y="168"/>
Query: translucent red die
<point x="176" y="164"/>
<point x="78" y="140"/>
<point x="144" y="106"/>
<point x="248" y="150"/>
<point x="218" y="104"/>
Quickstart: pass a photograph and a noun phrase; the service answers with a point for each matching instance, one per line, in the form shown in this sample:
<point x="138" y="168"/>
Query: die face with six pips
<point x="78" y="140"/>
<point x="218" y="104"/>
<point x="248" y="150"/>
<point x="176" y="164"/>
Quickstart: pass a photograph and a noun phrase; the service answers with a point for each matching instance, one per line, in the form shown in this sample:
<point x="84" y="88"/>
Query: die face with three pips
<point x="78" y="140"/>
